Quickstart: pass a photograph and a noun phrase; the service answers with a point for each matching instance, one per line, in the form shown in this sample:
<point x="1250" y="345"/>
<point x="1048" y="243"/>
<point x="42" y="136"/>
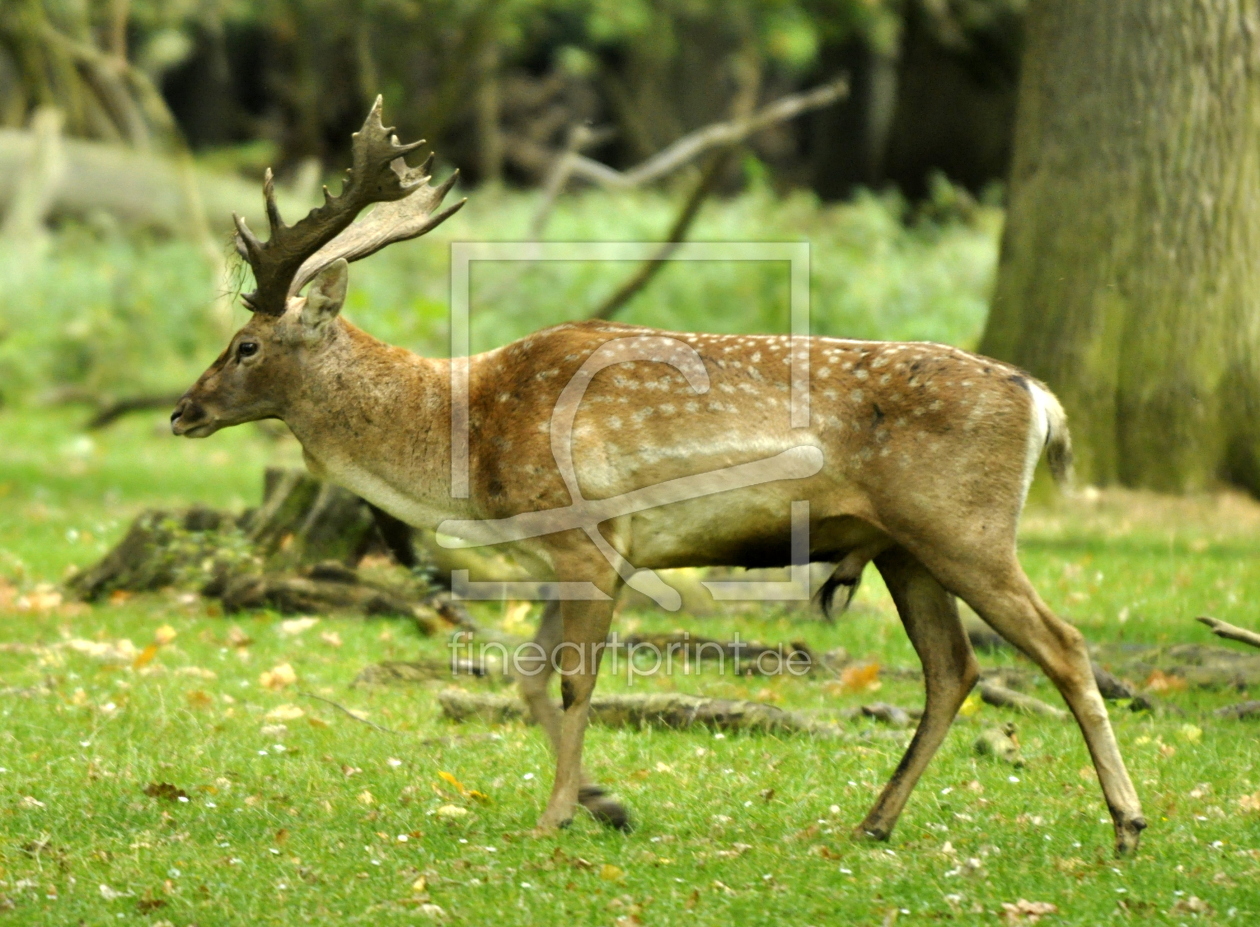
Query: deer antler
<point x="294" y="254"/>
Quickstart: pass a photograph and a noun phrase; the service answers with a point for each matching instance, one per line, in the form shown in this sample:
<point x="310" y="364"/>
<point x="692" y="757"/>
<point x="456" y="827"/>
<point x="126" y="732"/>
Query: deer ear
<point x="326" y="294"/>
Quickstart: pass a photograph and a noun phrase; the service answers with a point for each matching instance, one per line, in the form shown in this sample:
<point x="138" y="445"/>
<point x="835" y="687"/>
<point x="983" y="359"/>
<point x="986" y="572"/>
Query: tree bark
<point x="1128" y="278"/>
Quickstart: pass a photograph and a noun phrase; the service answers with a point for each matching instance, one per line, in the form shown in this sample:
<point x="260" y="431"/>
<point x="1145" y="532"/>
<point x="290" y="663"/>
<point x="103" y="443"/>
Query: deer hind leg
<point x="1005" y="599"/>
<point x="930" y="616"/>
<point x="534" y="671"/>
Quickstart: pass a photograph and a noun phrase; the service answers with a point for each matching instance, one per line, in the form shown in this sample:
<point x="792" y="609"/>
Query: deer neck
<point x="375" y="419"/>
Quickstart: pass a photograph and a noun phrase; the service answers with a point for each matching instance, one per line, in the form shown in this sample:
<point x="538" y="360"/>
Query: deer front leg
<point x="585" y="628"/>
<point x="534" y="669"/>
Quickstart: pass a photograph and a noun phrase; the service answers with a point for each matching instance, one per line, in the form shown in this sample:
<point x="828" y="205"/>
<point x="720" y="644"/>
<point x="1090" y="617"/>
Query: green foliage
<point x="106" y="312"/>
<point x="118" y="314"/>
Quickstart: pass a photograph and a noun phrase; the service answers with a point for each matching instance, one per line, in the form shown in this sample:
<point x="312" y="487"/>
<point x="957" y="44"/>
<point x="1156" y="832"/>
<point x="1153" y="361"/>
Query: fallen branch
<point x="717" y="135"/>
<point x="678" y="232"/>
<point x="410" y="672"/>
<point x="344" y="710"/>
<point x="665" y="709"/>
<point x="746" y="658"/>
<point x="1204" y="666"/>
<point x="1002" y="697"/>
<point x="889" y="714"/>
<point x="1230" y="632"/>
<point x="745" y="100"/>
<point x="580" y="137"/>
<point x="110" y="411"/>
<point x="135" y="187"/>
<point x="318" y="593"/>
<point x="1249" y="709"/>
<point x="1113" y="688"/>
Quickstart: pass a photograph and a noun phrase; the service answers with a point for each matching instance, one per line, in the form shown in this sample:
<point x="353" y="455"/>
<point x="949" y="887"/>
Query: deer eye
<point x="246" y="349"/>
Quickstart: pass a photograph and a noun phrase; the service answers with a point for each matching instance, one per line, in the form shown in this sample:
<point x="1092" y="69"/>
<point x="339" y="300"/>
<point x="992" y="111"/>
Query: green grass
<point x="738" y="829"/>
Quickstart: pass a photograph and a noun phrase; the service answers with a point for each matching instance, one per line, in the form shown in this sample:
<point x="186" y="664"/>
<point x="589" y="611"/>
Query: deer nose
<point x="177" y="416"/>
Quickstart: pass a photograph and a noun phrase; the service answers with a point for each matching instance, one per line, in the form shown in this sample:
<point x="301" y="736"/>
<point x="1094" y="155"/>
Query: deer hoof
<point x="1128" y="835"/>
<point x="549" y="826"/>
<point x="607" y="811"/>
<point x="870" y="833"/>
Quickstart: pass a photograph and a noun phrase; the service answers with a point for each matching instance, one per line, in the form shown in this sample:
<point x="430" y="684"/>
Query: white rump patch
<point x="1044" y="409"/>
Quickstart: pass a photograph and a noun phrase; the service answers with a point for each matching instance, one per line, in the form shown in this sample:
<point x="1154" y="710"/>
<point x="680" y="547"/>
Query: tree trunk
<point x="1128" y="277"/>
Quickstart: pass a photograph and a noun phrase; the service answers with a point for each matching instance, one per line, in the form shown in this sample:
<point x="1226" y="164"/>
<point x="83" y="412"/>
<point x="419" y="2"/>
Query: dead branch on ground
<point x="1230" y="632"/>
<point x="657" y="709"/>
<point x="1002" y="697"/>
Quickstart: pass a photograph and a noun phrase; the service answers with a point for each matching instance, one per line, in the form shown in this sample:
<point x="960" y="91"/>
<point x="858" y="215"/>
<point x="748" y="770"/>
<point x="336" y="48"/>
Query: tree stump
<point x="303" y="521"/>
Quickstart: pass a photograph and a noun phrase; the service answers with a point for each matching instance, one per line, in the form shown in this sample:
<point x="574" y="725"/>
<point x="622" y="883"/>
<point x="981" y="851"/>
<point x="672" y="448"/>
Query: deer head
<point x="282" y="344"/>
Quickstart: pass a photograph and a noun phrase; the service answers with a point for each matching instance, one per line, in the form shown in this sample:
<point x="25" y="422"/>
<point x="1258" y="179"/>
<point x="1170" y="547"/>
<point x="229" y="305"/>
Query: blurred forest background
<point x="134" y="128"/>
<point x="1114" y="144"/>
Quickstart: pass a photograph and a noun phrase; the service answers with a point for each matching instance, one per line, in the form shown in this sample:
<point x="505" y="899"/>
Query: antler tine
<point x="269" y="194"/>
<point x="444" y="188"/>
<point x="247" y="244"/>
<point x="373" y="178"/>
<point x="409" y="217"/>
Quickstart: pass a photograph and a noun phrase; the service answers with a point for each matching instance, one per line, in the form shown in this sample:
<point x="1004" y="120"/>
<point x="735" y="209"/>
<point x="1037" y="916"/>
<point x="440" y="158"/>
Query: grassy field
<point x="148" y="775"/>
<point x="298" y="813"/>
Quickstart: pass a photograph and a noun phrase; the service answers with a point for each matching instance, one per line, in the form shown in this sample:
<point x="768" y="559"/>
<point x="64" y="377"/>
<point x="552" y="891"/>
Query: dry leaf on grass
<point x="277" y="677"/>
<point x="238" y="638"/>
<point x="1191" y="905"/>
<point x="331" y="638"/>
<point x="1159" y="681"/>
<point x="285" y="712"/>
<point x="43" y="598"/>
<point x="295" y="626"/>
<point x="1249" y="802"/>
<point x="8" y="594"/>
<point x="197" y="672"/>
<point x="146" y="657"/>
<point x="119" y="651"/>
<point x="164" y="635"/>
<point x="864" y="678"/>
<point x="1027" y="912"/>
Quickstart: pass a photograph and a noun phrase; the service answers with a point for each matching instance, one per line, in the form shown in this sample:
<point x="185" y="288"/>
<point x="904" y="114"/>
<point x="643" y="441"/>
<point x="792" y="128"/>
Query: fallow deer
<point x="917" y="457"/>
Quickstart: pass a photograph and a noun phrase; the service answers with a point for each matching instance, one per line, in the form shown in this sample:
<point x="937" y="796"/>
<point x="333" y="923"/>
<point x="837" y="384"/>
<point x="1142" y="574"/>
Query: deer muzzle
<point x="190" y="420"/>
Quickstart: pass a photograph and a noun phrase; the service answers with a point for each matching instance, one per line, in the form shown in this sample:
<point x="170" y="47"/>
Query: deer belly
<point x="731" y="529"/>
